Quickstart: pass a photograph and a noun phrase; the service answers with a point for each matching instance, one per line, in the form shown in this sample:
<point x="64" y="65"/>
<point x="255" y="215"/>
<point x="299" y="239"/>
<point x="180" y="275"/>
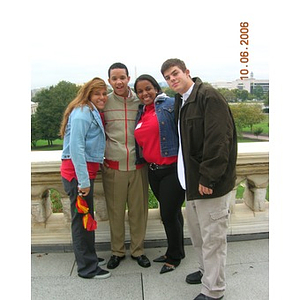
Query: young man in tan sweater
<point x="124" y="182"/>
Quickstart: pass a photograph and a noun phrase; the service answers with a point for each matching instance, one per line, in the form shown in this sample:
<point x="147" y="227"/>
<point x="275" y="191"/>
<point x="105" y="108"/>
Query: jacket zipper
<point x="126" y="134"/>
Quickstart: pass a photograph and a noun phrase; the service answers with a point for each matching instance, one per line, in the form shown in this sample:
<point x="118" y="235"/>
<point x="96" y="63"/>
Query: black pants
<point x="168" y="191"/>
<point x="83" y="240"/>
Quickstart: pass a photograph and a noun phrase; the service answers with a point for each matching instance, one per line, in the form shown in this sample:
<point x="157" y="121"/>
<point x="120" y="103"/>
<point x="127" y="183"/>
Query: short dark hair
<point x="117" y="65"/>
<point x="150" y="79"/>
<point x="172" y="62"/>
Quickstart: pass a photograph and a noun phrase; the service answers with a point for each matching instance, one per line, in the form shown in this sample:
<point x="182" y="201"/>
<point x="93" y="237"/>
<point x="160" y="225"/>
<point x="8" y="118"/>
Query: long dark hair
<point x="150" y="79"/>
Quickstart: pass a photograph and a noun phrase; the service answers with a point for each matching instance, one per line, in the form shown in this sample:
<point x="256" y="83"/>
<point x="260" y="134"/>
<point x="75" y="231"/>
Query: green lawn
<point x="240" y="192"/>
<point x="264" y="125"/>
<point x="42" y="145"/>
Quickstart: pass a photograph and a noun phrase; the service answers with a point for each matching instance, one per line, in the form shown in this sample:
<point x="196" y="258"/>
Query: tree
<point x="169" y="92"/>
<point x="242" y="95"/>
<point x="35" y="135"/>
<point x="266" y="99"/>
<point x="227" y="94"/>
<point x="254" y="115"/>
<point x="257" y="131"/>
<point x="258" y="92"/>
<point x="52" y="104"/>
<point x="246" y="115"/>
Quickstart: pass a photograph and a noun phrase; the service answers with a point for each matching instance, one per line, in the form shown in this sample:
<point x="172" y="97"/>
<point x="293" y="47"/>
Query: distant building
<point x="34" y="106"/>
<point x="248" y="84"/>
<point x="223" y="84"/>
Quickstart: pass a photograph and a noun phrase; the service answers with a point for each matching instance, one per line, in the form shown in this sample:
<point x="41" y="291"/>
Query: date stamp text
<point x="244" y="55"/>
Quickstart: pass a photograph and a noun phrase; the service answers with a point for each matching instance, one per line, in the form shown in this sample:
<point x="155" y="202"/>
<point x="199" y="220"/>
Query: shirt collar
<point x="187" y="94"/>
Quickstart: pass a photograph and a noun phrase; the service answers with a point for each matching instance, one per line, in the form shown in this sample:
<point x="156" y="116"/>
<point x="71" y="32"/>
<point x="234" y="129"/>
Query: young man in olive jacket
<point x="206" y="169"/>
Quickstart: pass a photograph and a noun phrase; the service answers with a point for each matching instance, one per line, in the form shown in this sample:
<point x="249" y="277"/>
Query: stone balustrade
<point x="252" y="171"/>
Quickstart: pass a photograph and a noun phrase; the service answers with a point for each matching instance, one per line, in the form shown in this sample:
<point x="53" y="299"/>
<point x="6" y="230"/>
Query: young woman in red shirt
<point x="157" y="144"/>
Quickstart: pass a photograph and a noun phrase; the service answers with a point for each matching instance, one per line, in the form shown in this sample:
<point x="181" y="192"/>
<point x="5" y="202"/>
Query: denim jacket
<point x="164" y="109"/>
<point x="84" y="141"/>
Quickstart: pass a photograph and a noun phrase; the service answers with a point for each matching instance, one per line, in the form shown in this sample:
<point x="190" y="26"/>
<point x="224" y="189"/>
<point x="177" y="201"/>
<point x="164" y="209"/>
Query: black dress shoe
<point x="204" y="297"/>
<point x="160" y="259"/>
<point x="142" y="260"/>
<point x="114" y="261"/>
<point x="167" y="268"/>
<point x="194" y="278"/>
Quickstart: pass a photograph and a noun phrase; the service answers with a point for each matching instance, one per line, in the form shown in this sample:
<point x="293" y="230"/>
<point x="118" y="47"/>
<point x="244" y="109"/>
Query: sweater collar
<point x="131" y="95"/>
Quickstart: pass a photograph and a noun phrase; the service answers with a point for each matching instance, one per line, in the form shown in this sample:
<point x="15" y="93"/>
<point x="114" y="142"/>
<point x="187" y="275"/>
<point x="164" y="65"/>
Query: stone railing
<point x="252" y="170"/>
<point x="45" y="175"/>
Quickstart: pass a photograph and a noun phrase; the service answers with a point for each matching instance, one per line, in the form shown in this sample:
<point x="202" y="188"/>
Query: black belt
<point x="154" y="166"/>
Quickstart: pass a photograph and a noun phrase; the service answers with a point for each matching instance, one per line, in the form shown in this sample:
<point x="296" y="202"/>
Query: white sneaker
<point x="102" y="274"/>
<point x="101" y="261"/>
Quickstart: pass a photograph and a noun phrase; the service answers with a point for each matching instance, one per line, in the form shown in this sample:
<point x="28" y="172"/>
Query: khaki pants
<point x="207" y="221"/>
<point x="131" y="188"/>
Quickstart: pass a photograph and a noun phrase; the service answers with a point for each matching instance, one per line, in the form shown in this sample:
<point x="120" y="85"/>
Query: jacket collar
<point x="160" y="98"/>
<point x="96" y="115"/>
<point x="192" y="97"/>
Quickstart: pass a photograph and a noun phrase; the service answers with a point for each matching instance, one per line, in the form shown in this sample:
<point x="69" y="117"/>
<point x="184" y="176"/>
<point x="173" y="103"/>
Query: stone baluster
<point x="99" y="200"/>
<point x="40" y="205"/>
<point x="255" y="191"/>
<point x="233" y="200"/>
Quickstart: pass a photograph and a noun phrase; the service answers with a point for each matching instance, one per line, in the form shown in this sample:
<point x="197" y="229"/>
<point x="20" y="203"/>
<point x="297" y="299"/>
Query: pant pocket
<point x="220" y="214"/>
<point x="219" y="224"/>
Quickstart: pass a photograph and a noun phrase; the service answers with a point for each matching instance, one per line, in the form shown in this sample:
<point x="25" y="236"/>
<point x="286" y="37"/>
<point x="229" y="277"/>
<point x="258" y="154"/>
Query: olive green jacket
<point x="209" y="141"/>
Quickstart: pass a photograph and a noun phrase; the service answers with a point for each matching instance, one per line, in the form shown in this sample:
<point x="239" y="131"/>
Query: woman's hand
<point x="84" y="191"/>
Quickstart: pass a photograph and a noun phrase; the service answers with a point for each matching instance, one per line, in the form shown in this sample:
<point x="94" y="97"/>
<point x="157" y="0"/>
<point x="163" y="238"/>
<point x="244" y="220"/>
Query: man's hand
<point x="203" y="190"/>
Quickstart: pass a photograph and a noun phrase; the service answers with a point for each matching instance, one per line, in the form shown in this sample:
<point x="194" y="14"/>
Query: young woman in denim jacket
<point x="157" y="144"/>
<point x="83" y="151"/>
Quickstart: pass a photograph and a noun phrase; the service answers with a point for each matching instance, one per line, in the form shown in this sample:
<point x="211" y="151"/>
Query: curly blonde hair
<point x="82" y="98"/>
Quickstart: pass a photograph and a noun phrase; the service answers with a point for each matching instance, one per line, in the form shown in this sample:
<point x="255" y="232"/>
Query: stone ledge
<point x="248" y="153"/>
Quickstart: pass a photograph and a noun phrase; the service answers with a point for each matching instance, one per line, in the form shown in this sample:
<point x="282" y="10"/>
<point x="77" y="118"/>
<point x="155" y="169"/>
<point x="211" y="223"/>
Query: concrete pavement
<point x="54" y="276"/>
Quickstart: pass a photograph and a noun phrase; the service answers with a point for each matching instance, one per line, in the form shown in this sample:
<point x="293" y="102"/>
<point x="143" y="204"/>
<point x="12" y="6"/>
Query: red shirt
<point x="146" y="134"/>
<point x="68" y="171"/>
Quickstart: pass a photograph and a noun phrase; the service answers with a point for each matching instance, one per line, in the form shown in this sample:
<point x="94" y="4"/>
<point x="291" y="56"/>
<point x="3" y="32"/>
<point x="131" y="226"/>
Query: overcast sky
<point x="76" y="41"/>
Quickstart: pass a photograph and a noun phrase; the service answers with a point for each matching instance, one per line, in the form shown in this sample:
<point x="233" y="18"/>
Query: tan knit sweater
<point x="120" y="114"/>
